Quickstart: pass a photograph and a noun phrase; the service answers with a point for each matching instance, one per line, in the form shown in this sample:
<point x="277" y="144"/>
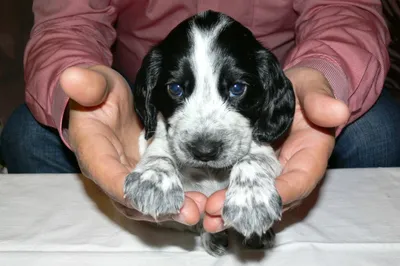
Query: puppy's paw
<point x="154" y="192"/>
<point x="252" y="210"/>
<point x="215" y="244"/>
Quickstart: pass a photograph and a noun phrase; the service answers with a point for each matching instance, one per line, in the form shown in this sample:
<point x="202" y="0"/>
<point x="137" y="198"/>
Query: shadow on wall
<point x="16" y="20"/>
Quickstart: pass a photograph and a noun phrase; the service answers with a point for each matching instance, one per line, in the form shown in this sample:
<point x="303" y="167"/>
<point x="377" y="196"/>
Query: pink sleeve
<point x="346" y="41"/>
<point x="65" y="33"/>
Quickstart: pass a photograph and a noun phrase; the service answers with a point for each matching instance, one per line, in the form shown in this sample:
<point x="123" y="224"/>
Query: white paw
<point x="252" y="202"/>
<point x="155" y="192"/>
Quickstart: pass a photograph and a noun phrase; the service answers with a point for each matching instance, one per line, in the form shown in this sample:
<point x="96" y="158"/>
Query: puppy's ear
<point x="277" y="112"/>
<point x="146" y="81"/>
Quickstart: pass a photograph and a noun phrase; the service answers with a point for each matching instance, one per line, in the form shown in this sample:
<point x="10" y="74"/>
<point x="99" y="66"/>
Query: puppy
<point x="211" y="99"/>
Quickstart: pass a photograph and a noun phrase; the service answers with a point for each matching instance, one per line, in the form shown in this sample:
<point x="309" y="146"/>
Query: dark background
<point x="16" y="20"/>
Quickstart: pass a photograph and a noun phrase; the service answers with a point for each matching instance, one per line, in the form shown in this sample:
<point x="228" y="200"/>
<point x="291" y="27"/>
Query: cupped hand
<point x="305" y="153"/>
<point x="103" y="132"/>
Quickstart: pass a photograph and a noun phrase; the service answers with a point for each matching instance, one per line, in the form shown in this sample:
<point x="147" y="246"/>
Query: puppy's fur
<point x="208" y="138"/>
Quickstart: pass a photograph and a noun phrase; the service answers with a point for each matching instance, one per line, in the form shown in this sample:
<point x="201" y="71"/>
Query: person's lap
<point x="29" y="147"/>
<point x="371" y="141"/>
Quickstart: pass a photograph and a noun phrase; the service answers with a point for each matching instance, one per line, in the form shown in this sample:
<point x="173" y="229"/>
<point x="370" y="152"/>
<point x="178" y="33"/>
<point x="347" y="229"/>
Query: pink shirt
<point x="345" y="40"/>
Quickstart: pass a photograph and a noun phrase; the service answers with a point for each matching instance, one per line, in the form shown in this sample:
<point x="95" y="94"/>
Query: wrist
<point x="333" y="74"/>
<point x="305" y="78"/>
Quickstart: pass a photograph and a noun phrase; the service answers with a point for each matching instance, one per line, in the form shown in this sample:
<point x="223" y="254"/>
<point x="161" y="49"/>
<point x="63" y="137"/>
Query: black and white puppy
<point x="211" y="99"/>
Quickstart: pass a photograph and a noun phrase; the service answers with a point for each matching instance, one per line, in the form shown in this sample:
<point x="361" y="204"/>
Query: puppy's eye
<point x="175" y="90"/>
<point x="238" y="89"/>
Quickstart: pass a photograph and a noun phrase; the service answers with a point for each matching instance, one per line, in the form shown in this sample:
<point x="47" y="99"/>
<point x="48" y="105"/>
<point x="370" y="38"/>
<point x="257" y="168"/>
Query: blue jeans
<point x="372" y="141"/>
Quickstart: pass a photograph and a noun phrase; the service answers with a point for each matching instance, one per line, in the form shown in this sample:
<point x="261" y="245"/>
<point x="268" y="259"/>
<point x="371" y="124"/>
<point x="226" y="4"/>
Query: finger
<point x="85" y="86"/>
<point x="212" y="221"/>
<point x="199" y="198"/>
<point x="189" y="213"/>
<point x="316" y="97"/>
<point x="323" y="110"/>
<point x="192" y="208"/>
<point x="215" y="203"/>
<point x="213" y="224"/>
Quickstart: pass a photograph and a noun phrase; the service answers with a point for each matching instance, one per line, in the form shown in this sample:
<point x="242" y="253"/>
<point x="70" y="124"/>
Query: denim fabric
<point x="371" y="141"/>
<point x="29" y="147"/>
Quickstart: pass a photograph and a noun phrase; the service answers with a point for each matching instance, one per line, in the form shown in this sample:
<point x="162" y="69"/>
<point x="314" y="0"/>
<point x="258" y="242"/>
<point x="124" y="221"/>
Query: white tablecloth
<point x="57" y="220"/>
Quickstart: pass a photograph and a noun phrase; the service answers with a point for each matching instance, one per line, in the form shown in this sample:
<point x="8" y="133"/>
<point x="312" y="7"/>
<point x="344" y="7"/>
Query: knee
<point x="18" y="131"/>
<point x="371" y="141"/>
<point x="29" y="147"/>
<point x="19" y="136"/>
<point x="25" y="142"/>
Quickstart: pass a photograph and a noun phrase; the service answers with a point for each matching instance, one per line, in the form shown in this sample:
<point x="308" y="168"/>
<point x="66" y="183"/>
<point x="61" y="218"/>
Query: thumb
<point x="85" y="86"/>
<point x="320" y="107"/>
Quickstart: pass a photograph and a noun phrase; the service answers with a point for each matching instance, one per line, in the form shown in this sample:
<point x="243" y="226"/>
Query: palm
<point x="306" y="150"/>
<point x="107" y="131"/>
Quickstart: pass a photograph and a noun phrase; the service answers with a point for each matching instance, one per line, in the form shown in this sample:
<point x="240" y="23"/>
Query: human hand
<point x="304" y="154"/>
<point x="103" y="133"/>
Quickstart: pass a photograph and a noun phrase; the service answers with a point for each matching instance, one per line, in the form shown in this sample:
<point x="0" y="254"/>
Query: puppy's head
<point x="217" y="88"/>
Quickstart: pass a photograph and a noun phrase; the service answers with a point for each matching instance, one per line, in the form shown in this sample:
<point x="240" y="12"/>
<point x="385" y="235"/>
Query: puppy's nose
<point x="206" y="150"/>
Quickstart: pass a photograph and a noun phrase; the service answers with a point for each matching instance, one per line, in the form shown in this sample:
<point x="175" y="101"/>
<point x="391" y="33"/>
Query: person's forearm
<point x="66" y="33"/>
<point x="347" y="42"/>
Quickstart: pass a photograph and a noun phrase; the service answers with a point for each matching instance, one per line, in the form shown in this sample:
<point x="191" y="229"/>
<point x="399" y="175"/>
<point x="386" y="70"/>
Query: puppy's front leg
<point x="252" y="202"/>
<point x="154" y="187"/>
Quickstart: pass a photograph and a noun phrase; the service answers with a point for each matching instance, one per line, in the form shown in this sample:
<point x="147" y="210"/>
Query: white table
<point x="57" y="220"/>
